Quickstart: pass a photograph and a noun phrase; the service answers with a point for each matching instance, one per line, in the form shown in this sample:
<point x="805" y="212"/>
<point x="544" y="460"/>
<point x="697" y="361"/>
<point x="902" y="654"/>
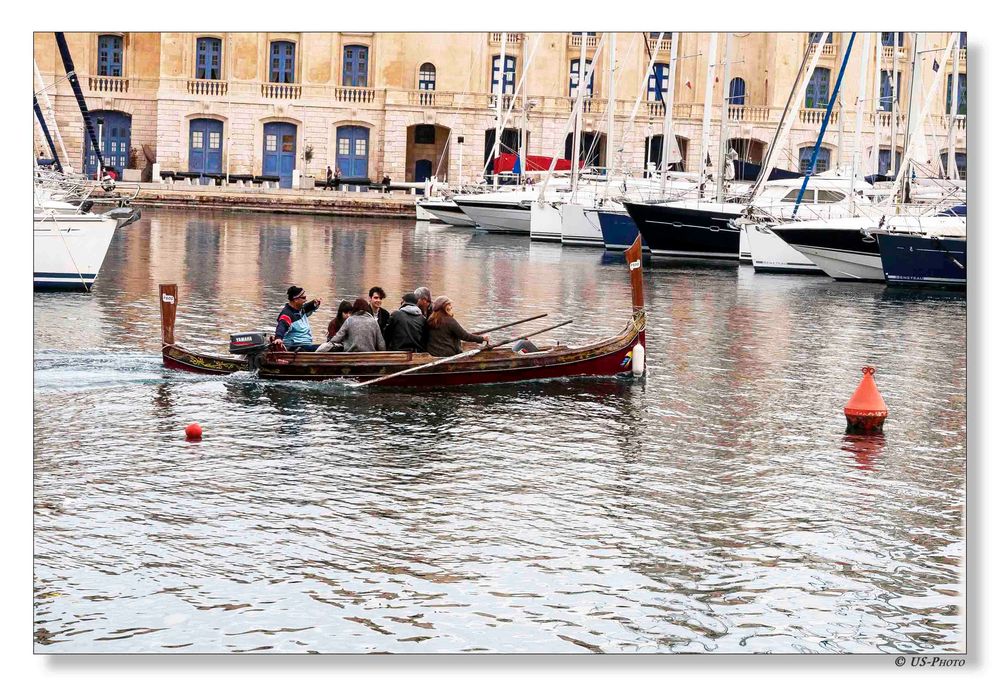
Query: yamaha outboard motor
<point x="250" y="345"/>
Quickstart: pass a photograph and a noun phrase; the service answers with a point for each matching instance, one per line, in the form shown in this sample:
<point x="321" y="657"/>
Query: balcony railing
<point x="108" y="84"/>
<point x="885" y="119"/>
<point x="207" y="87"/>
<point x="944" y="121"/>
<point x="504" y="102"/>
<point x="962" y="53"/>
<point x="655" y="109"/>
<point x="887" y="51"/>
<point x="749" y="113"/>
<point x="281" y="91"/>
<point x="826" y="50"/>
<point x="811" y="115"/>
<point x="354" y="94"/>
<point x="575" y="40"/>
<point x="512" y="38"/>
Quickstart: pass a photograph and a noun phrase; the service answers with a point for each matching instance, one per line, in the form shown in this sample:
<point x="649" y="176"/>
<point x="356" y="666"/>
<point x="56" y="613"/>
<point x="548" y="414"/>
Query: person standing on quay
<point x="329" y="178"/>
<point x="375" y="297"/>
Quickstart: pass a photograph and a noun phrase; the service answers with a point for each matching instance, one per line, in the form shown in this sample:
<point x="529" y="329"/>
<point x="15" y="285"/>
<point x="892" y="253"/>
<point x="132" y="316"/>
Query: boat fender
<point x="638" y="359"/>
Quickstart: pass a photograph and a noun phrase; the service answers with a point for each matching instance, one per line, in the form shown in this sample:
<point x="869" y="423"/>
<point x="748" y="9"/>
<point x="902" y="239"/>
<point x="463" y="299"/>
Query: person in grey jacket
<point x="360" y="333"/>
<point x="405" y="330"/>
<point x="444" y="333"/>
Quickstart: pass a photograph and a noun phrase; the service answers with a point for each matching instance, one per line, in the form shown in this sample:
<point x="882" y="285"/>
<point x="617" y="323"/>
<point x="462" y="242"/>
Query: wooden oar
<point x="467" y="353"/>
<point x="506" y="326"/>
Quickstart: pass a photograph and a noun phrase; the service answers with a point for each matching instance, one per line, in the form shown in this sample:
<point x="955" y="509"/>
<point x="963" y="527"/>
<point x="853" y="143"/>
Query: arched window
<point x="208" y="59"/>
<point x="959" y="163"/>
<point x="508" y="75"/>
<point x="656" y="84"/>
<point x="109" y="55"/>
<point x="822" y="159"/>
<point x="961" y="95"/>
<point x="282" y="62"/>
<point x="737" y="91"/>
<point x="814" y="36"/>
<point x="427" y="78"/>
<point x="885" y="91"/>
<point x="818" y="90"/>
<point x="356" y="65"/>
<point x="574" y="77"/>
<point x="887" y="38"/>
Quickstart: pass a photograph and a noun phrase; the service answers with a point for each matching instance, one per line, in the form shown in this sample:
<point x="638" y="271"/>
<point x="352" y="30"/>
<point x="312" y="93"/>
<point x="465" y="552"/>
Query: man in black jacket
<point x="406" y="326"/>
<point x="375" y="297"/>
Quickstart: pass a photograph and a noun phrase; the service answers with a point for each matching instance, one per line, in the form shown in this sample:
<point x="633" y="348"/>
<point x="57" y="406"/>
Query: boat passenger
<point x="375" y="297"/>
<point x="405" y="330"/>
<point x="293" y="321"/>
<point x="423" y="300"/>
<point x="444" y="333"/>
<point x="343" y="312"/>
<point x="360" y="333"/>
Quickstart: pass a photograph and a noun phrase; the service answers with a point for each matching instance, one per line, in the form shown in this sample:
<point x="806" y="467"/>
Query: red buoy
<point x="866" y="411"/>
<point x="193" y="432"/>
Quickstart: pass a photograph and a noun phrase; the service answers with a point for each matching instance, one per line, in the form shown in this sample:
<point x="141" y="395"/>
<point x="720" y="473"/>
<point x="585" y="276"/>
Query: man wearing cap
<point x="293" y="322"/>
<point x="405" y="330"/>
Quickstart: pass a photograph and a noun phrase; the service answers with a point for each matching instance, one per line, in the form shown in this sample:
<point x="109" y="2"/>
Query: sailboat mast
<point x="667" y="143"/>
<point x="522" y="134"/>
<point x="52" y="115"/>
<point x="720" y="180"/>
<point x="501" y="83"/>
<point x="893" y="89"/>
<point x="707" y="109"/>
<point x="952" y="164"/>
<point x="609" y="147"/>
<point x="581" y="72"/>
<point x="859" y="110"/>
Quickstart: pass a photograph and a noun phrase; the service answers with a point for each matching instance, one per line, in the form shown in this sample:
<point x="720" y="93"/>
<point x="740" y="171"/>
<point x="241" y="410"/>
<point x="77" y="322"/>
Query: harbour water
<point x="716" y="506"/>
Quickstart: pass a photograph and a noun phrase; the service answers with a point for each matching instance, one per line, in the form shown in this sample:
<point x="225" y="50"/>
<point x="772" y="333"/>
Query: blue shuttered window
<point x="574" y="78"/>
<point x="814" y="36"/>
<point x="959" y="163"/>
<point x="427" y="80"/>
<point x="961" y="95"/>
<point x="737" y="91"/>
<point x="282" y="66"/>
<point x="822" y="160"/>
<point x="885" y="91"/>
<point x="355" y="65"/>
<point x="884" y="155"/>
<point x="208" y="59"/>
<point x="818" y="90"/>
<point x="656" y="84"/>
<point x="887" y="38"/>
<point x="508" y="75"/>
<point x="109" y="56"/>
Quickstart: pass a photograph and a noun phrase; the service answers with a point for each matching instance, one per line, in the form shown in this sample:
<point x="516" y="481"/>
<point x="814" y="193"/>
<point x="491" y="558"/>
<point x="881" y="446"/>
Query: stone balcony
<point x="107" y="84"/>
<point x="576" y="40"/>
<point x="814" y="115"/>
<point x="888" y="50"/>
<point x="355" y="95"/>
<point x="750" y="113"/>
<point x="280" y="91"/>
<point x="496" y="38"/>
<point x="826" y="50"/>
<point x="210" y="87"/>
<point x="885" y="119"/>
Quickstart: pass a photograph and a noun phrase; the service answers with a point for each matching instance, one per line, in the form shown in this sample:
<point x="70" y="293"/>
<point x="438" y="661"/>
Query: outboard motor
<point x="250" y="345"/>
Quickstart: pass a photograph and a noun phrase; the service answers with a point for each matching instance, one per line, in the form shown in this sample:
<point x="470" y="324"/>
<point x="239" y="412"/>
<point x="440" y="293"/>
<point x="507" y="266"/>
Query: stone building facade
<point x="400" y="103"/>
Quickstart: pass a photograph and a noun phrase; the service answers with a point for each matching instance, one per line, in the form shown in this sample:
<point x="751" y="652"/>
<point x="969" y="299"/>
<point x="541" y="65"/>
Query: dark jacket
<point x="383" y="319"/>
<point x="360" y="334"/>
<point x="405" y="330"/>
<point x="446" y="339"/>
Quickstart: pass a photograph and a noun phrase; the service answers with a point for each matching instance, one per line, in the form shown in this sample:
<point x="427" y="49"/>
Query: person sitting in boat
<point x="293" y="322"/>
<point x="405" y="330"/>
<point x="375" y="297"/>
<point x="343" y="312"/>
<point x="360" y="333"/>
<point x="423" y="300"/>
<point x="444" y="333"/>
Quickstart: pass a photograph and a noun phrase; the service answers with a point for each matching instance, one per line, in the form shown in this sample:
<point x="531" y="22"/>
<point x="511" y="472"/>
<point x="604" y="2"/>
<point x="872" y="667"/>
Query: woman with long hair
<point x="444" y="333"/>
<point x="343" y="312"/>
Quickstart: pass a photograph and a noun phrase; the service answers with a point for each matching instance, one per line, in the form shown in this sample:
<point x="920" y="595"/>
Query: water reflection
<point x="715" y="506"/>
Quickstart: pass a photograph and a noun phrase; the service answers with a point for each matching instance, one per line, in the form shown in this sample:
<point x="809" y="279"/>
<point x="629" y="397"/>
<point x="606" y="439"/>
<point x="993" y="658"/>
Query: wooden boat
<point x="618" y="355"/>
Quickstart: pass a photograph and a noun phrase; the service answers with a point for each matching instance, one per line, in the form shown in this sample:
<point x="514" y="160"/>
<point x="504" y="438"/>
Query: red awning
<point x="505" y="163"/>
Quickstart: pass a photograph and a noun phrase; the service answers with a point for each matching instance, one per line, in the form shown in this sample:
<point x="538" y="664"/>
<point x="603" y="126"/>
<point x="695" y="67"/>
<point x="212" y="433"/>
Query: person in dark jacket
<point x="375" y="297"/>
<point x="293" y="321"/>
<point x="405" y="330"/>
<point x="444" y="333"/>
<point x="424" y="300"/>
<point x="360" y="333"/>
<point x="343" y="312"/>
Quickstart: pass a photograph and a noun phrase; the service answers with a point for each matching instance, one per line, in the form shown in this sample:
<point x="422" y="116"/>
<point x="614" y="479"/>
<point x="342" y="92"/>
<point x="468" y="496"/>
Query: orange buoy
<point x="193" y="432"/>
<point x="866" y="411"/>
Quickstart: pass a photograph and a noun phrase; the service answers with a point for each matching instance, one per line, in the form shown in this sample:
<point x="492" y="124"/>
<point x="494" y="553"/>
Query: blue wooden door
<point x="656" y="84"/>
<point x="352" y="151"/>
<point x="114" y="131"/>
<point x="282" y="62"/>
<point x="209" y="59"/>
<point x="818" y="90"/>
<point x="509" y="71"/>
<point x="279" y="151"/>
<point x="422" y="170"/>
<point x="355" y="65"/>
<point x="109" y="56"/>
<point x="205" y="147"/>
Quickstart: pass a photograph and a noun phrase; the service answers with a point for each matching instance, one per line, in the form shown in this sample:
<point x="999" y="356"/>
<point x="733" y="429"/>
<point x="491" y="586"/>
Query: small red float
<point x="193" y="432"/>
<point x="866" y="411"/>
